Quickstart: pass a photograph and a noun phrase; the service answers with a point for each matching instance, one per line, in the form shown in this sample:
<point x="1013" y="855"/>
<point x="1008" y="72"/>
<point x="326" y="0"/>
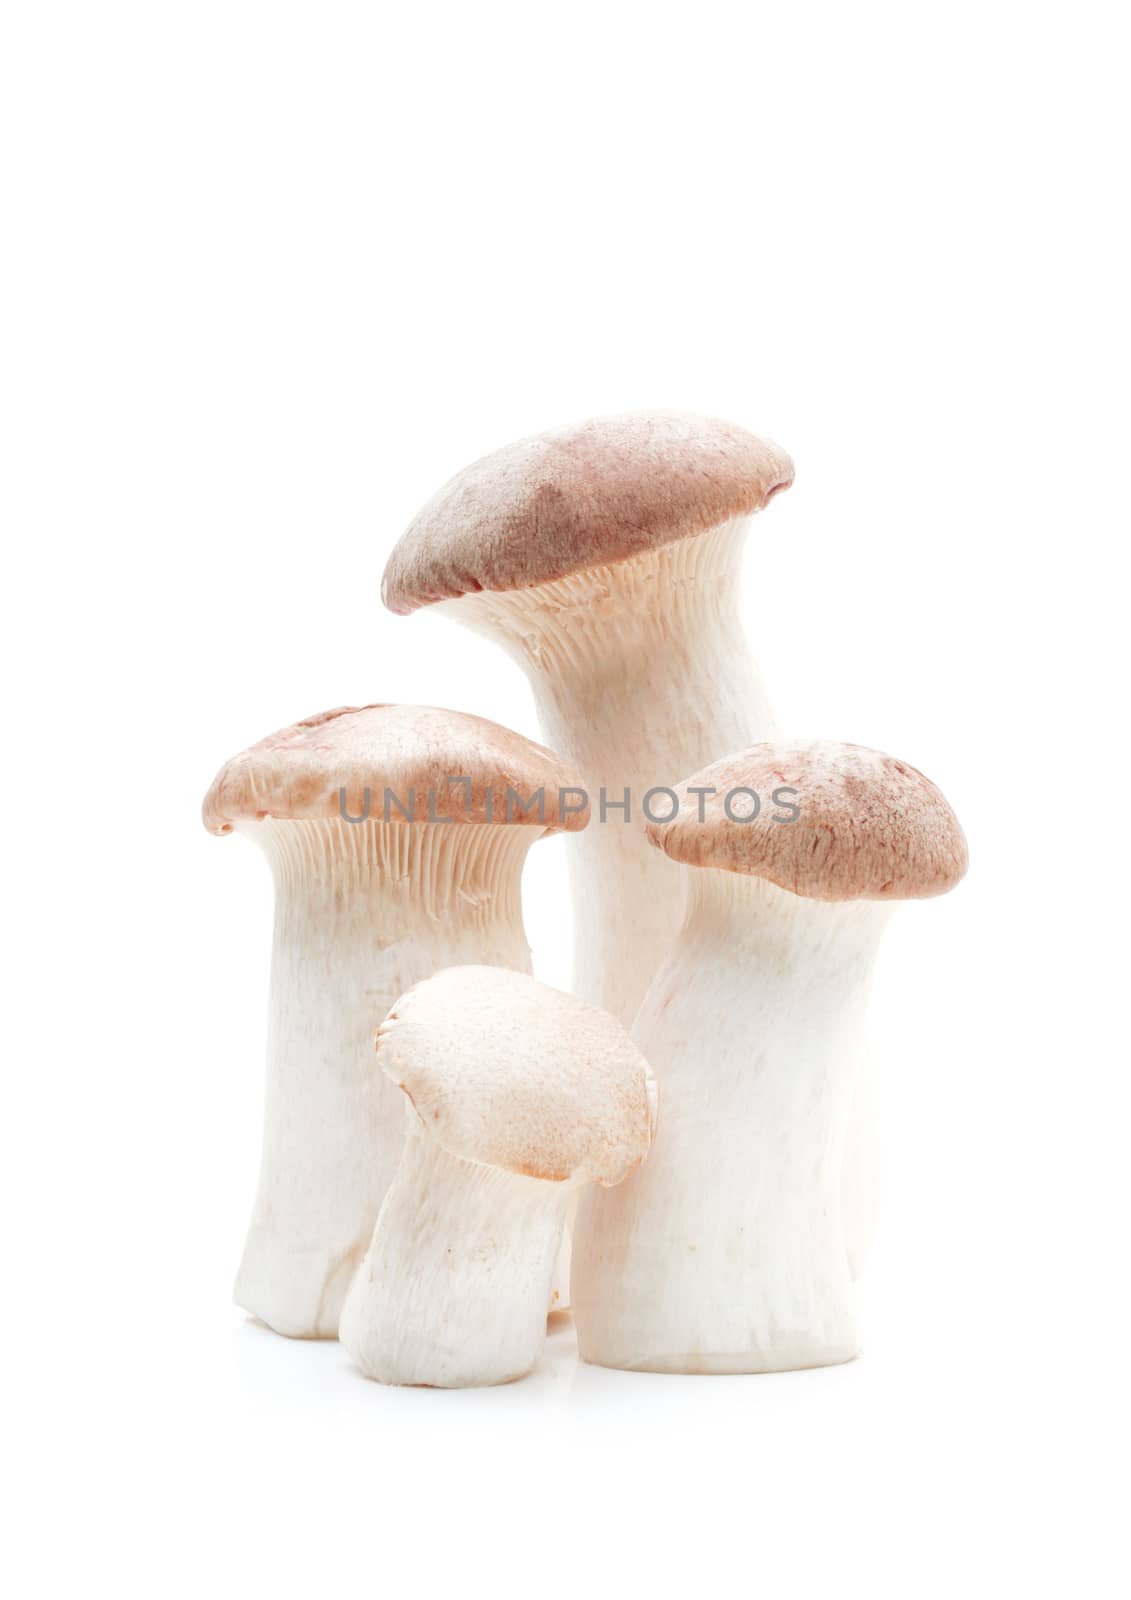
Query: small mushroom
<point x="395" y="850"/>
<point x="726" y="1253"/>
<point x="517" y="1095"/>
<point x="605" y="557"/>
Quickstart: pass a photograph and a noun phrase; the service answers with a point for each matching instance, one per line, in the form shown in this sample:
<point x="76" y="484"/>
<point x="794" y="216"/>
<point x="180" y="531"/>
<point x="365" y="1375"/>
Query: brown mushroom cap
<point x="598" y="492"/>
<point x="506" y="1072"/>
<point x="870" y="827"/>
<point x="297" y="773"/>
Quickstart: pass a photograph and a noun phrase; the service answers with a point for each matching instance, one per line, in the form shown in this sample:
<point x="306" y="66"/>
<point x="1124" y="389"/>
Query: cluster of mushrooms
<point x="676" y="1151"/>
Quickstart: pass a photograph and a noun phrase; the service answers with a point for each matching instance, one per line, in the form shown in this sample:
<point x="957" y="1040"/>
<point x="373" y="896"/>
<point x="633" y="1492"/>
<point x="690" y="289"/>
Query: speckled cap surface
<point x="587" y="495"/>
<point x="298" y="773"/>
<point x="506" y="1072"/>
<point x="869" y="827"/>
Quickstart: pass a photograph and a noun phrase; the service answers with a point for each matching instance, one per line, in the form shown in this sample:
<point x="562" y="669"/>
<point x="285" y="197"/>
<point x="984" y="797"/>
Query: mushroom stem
<point x="362" y="912"/>
<point x="454" y="1286"/>
<point x="724" y="1253"/>
<point x="641" y="673"/>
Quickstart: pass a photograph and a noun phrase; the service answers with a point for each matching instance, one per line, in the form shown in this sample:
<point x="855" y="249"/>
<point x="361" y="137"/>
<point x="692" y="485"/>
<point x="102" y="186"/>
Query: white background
<point x="271" y="274"/>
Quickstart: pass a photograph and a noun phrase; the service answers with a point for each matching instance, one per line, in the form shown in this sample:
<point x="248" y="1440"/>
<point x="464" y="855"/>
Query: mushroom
<point x="604" y="557"/>
<point x="725" y="1254"/>
<point x="516" y="1095"/>
<point x="396" y="848"/>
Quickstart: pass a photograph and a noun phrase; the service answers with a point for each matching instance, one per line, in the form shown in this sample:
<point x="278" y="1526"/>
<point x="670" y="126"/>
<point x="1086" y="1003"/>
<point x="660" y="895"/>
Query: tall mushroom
<point x="725" y="1254"/>
<point x="396" y="836"/>
<point x="604" y="557"/>
<point x="516" y="1095"/>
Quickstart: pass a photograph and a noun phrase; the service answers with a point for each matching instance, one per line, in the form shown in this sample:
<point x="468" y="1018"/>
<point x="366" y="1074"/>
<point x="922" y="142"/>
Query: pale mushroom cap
<point x="587" y="495"/>
<point x="298" y="773"/>
<point x="870" y="827"/>
<point x="503" y="1071"/>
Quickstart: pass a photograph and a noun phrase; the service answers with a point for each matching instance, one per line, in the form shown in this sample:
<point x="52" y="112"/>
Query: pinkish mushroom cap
<point x="299" y="772"/>
<point x="868" y="827"/>
<point x="588" y="495"/>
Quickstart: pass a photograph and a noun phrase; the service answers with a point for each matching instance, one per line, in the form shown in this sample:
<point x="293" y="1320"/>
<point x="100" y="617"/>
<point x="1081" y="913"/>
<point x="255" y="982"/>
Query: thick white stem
<point x="641" y="674"/>
<point x="362" y="912"/>
<point x="454" y="1286"/>
<point x="724" y="1252"/>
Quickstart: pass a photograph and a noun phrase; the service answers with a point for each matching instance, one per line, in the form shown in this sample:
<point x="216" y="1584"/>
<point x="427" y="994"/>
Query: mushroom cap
<point x="506" y="1072"/>
<point x="598" y="492"/>
<point x="297" y="773"/>
<point x="870" y="827"/>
